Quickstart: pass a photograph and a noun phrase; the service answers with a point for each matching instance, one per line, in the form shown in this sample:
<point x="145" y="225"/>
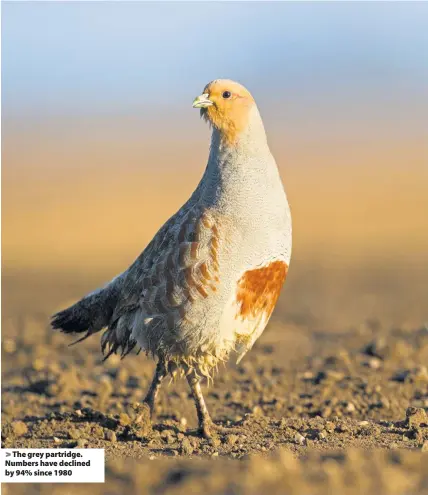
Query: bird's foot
<point x="209" y="429"/>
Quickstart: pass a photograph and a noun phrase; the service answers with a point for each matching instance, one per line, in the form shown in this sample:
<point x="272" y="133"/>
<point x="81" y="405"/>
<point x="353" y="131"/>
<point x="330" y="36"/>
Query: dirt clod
<point x="124" y="419"/>
<point x="110" y="436"/>
<point x="415" y="417"/>
<point x="13" y="430"/>
<point x="186" y="447"/>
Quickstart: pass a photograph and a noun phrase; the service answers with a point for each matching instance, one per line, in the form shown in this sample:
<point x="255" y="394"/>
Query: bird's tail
<point x="91" y="314"/>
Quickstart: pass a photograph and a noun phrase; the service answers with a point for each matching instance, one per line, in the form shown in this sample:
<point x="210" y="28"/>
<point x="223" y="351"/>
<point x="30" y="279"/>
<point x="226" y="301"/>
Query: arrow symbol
<point x="8" y="454"/>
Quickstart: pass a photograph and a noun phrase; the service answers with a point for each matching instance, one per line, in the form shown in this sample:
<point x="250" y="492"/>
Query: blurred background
<point x="100" y="144"/>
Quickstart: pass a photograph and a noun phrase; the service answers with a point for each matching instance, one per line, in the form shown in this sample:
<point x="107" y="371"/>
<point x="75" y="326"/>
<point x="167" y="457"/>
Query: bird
<point x="206" y="285"/>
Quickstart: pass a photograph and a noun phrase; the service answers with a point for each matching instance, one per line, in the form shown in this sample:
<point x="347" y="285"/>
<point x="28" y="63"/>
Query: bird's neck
<point x="252" y="139"/>
<point x="240" y="169"/>
<point x="249" y="144"/>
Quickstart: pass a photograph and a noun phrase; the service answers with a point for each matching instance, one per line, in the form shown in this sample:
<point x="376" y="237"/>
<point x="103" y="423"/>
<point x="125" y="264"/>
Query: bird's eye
<point x="227" y="94"/>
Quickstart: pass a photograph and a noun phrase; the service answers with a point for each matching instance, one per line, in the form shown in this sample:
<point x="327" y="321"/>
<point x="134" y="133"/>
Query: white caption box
<point x="52" y="465"/>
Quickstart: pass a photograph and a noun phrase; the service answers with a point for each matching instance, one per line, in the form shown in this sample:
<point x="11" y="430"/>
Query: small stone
<point x="81" y="443"/>
<point x="363" y="423"/>
<point x="215" y="442"/>
<point x="110" y="436"/>
<point x="97" y="431"/>
<point x="342" y="428"/>
<point x="231" y="439"/>
<point x="326" y="412"/>
<point x="124" y="419"/>
<point x="334" y="376"/>
<point x="214" y="454"/>
<point x="170" y="439"/>
<point x="415" y="417"/>
<point x="186" y="447"/>
<point x="167" y="433"/>
<point x="74" y="434"/>
<point x="308" y="375"/>
<point x="377" y="348"/>
<point x="350" y="407"/>
<point x="322" y="435"/>
<point x="38" y="364"/>
<point x="194" y="442"/>
<point x="19" y="428"/>
<point x="424" y="447"/>
<point x="415" y="375"/>
<point x="257" y="411"/>
<point x="421" y="374"/>
<point x="416" y="434"/>
<point x="374" y="363"/>
<point x="329" y="426"/>
<point x="283" y="423"/>
<point x="299" y="439"/>
<point x="183" y="421"/>
<point x="78" y="412"/>
<point x="168" y="436"/>
<point x="56" y="440"/>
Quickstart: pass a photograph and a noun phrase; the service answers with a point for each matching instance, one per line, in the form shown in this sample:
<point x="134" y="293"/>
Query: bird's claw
<point x="210" y="429"/>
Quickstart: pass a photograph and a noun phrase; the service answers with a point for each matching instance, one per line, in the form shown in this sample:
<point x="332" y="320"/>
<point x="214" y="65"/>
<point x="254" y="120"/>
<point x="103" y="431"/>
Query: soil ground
<point x="324" y="411"/>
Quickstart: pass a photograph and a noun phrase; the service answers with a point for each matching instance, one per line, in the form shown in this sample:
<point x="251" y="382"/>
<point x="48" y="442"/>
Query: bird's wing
<point x="176" y="269"/>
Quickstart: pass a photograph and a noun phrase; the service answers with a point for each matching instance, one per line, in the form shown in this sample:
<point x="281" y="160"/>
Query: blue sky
<point x="92" y="57"/>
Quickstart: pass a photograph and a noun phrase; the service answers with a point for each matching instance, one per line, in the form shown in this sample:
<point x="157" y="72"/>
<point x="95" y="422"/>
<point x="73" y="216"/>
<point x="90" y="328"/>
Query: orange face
<point x="226" y="105"/>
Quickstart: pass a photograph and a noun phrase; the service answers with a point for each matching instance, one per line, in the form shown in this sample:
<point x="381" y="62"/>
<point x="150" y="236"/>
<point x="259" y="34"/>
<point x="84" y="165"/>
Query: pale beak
<point x="202" y="101"/>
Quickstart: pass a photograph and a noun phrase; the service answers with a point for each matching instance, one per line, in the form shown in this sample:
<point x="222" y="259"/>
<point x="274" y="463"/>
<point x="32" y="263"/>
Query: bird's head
<point x="226" y="105"/>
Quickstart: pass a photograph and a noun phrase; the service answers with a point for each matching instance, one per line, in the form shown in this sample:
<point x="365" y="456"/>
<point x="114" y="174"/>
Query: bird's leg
<point x="204" y="418"/>
<point x="206" y="425"/>
<point x="152" y="393"/>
